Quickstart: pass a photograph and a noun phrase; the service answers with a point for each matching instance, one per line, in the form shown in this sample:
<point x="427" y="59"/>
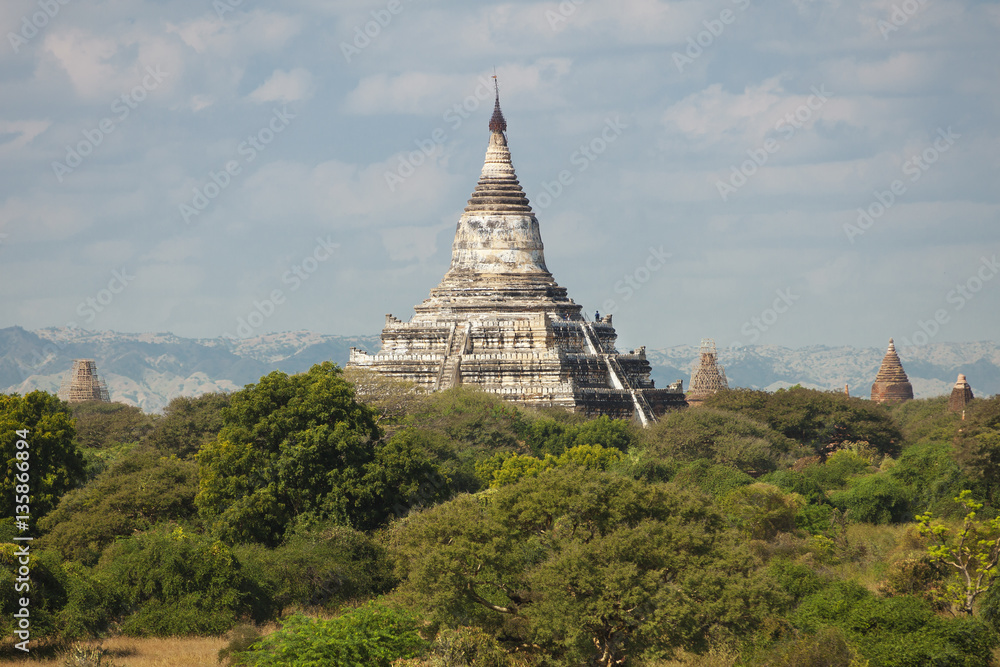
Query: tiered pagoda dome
<point x="891" y="384"/>
<point x="498" y="319"/>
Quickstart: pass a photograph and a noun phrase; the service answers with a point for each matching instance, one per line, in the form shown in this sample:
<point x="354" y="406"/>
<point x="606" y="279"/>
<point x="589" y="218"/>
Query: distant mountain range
<point x="149" y="369"/>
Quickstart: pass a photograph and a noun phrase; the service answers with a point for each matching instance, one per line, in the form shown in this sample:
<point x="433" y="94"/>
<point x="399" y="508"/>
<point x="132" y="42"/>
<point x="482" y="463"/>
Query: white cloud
<point x="293" y="86"/>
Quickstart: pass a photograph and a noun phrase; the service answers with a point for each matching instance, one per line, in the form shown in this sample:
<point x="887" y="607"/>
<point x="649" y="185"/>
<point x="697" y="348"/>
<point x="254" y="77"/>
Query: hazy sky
<point x="182" y="165"/>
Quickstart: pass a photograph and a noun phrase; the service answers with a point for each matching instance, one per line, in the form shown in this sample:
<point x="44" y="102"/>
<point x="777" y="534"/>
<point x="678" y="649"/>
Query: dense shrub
<point x="899" y="631"/>
<point x="822" y="421"/>
<point x="318" y="567"/>
<point x="713" y="479"/>
<point x="373" y="635"/>
<point x="875" y="498"/>
<point x="761" y="511"/>
<point x="724" y="437"/>
<point x="140" y="490"/>
<point x="171" y="581"/>
<point x="188" y="423"/>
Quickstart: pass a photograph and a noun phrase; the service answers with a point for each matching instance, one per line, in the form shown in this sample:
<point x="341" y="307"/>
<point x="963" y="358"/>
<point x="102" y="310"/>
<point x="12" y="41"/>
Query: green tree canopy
<point x="101" y="425"/>
<point x="724" y="437"/>
<point x="51" y="461"/>
<point x="301" y="448"/>
<point x="820" y="420"/>
<point x="590" y="566"/>
<point x="188" y="423"/>
<point x="138" y="491"/>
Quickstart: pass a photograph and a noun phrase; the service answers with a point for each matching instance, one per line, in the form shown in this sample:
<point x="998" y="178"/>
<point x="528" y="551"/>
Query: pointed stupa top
<point x="891" y="369"/>
<point x="498" y="191"/>
<point x="497" y="123"/>
<point x="891" y="383"/>
<point x="498" y="232"/>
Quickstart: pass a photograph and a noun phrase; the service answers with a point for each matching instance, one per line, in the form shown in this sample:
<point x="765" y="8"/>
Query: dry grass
<point x="151" y="652"/>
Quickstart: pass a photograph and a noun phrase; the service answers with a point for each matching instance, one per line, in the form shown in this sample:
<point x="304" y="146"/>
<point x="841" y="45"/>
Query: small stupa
<point x="709" y="377"/>
<point x="84" y="384"/>
<point x="499" y="321"/>
<point x="961" y="395"/>
<point x="891" y="384"/>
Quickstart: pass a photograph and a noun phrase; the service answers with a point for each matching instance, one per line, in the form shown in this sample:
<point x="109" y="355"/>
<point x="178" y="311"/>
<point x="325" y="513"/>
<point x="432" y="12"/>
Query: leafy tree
<point x="476" y="421"/>
<point x="46" y="591"/>
<point x="502" y="469"/>
<point x="976" y="445"/>
<point x="972" y="551"/>
<point x="761" y="511"/>
<point x="548" y="436"/>
<point x="899" y="631"/>
<point x="101" y="425"/>
<point x="593" y="567"/>
<point x="373" y="635"/>
<point x="172" y="581"/>
<point x="838" y="468"/>
<point x="391" y="399"/>
<point x="188" y="424"/>
<point x="932" y="478"/>
<point x="140" y="490"/>
<point x="713" y="479"/>
<point x="724" y="437"/>
<point x="47" y="465"/>
<point x="926" y="420"/>
<point x="875" y="498"/>
<point x="823" y="421"/>
<point x="321" y="566"/>
<point x="300" y="448"/>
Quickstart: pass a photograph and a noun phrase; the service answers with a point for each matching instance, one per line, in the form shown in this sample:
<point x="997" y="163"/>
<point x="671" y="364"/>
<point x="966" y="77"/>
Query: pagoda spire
<point x="891" y="384"/>
<point x="497" y="122"/>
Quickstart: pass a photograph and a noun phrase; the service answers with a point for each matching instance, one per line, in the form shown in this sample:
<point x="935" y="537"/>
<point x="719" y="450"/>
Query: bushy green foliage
<point x="926" y="420"/>
<point x="795" y="481"/>
<point x="467" y="647"/>
<point x="45" y="590"/>
<point x="101" y="425"/>
<point x="723" y="437"/>
<point x="826" y="647"/>
<point x="91" y="604"/>
<point x="820" y="420"/>
<point x="373" y="635"/>
<point x="582" y="564"/>
<point x="479" y="421"/>
<point x="172" y="581"/>
<point x="875" y="498"/>
<point x="49" y="466"/>
<point x="318" y="567"/>
<point x="504" y="469"/>
<point x="838" y="468"/>
<point x="188" y="423"/>
<point x="548" y="436"/>
<point x="142" y="489"/>
<point x="714" y="479"/>
<point x="977" y="445"/>
<point x="300" y="446"/>
<point x="760" y="511"/>
<point x="899" y="631"/>
<point x="932" y="478"/>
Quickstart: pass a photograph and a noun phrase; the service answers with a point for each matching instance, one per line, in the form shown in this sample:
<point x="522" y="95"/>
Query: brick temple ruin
<point x="709" y="377"/>
<point x="499" y="321"/>
<point x="961" y="395"/>
<point x="84" y="384"/>
<point x="891" y="384"/>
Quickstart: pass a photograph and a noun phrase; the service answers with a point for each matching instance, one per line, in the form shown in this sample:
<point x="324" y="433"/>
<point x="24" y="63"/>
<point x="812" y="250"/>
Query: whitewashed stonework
<point x="499" y="320"/>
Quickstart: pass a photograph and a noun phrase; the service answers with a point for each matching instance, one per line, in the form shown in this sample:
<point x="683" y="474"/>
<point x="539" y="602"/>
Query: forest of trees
<point x="337" y="518"/>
